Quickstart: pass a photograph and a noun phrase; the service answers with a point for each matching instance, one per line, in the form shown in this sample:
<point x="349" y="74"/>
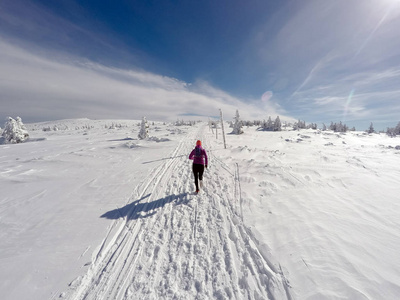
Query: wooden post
<point x="222" y="125"/>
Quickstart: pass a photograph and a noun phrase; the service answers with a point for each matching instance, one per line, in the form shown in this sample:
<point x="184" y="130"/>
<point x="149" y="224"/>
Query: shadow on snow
<point x="165" y="158"/>
<point x="122" y="140"/>
<point x="137" y="210"/>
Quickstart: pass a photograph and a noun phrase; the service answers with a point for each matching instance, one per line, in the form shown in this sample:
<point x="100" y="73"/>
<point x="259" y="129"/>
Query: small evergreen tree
<point x="15" y="131"/>
<point x="277" y="124"/>
<point x="394" y="130"/>
<point x="313" y="126"/>
<point x="268" y="126"/>
<point x="338" y="127"/>
<point x="237" y="124"/>
<point x="299" y="125"/>
<point x="397" y="129"/>
<point x="144" y="129"/>
<point x="371" y="128"/>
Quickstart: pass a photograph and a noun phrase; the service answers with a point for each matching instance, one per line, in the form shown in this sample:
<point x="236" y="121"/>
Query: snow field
<point x="88" y="211"/>
<point x="328" y="207"/>
<point x="173" y="244"/>
<point x="54" y="190"/>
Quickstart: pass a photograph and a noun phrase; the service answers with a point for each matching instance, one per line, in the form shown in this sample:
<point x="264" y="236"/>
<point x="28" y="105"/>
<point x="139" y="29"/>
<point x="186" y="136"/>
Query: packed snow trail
<point x="168" y="243"/>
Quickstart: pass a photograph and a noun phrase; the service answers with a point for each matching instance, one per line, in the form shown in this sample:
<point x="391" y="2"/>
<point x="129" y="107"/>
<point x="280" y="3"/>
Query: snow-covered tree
<point x="277" y="124"/>
<point x="14" y="131"/>
<point x="393" y="131"/>
<point x="338" y="127"/>
<point x="299" y="125"/>
<point x="269" y="125"/>
<point x="182" y="123"/>
<point x="237" y="124"/>
<point x="258" y="123"/>
<point x="371" y="129"/>
<point x="313" y="126"/>
<point x="397" y="129"/>
<point x="144" y="129"/>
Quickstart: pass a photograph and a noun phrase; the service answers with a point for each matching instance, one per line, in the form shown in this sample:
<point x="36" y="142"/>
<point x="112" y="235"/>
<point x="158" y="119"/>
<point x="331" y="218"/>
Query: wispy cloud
<point x="328" y="51"/>
<point x="314" y="60"/>
<point x="51" y="68"/>
<point x="38" y="88"/>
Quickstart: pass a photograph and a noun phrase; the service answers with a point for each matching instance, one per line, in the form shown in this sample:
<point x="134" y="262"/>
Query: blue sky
<point x="318" y="61"/>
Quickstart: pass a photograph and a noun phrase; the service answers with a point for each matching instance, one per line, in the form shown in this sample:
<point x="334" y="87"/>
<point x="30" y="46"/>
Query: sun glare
<point x="392" y="2"/>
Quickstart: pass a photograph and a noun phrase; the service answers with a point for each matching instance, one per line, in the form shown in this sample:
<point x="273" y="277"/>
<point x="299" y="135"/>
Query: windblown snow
<point x="89" y="211"/>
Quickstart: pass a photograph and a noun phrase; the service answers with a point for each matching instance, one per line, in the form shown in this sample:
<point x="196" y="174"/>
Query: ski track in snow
<point x="168" y="243"/>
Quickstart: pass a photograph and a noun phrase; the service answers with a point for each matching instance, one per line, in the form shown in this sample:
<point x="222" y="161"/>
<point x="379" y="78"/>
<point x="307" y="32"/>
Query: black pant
<point x="198" y="171"/>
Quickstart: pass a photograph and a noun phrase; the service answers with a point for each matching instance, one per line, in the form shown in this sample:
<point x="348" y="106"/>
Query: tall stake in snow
<point x="222" y="125"/>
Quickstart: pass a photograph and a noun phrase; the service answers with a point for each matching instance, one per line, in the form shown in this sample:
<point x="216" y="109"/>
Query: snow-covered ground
<point x="91" y="212"/>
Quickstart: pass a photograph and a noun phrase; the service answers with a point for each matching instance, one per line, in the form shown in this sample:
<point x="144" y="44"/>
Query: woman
<point x="200" y="161"/>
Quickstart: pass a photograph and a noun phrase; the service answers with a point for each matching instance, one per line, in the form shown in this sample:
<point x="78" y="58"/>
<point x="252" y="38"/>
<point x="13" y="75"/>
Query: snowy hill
<point x="89" y="211"/>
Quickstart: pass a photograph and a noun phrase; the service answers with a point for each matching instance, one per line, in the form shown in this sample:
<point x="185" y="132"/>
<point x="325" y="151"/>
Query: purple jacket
<point x="199" y="159"/>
